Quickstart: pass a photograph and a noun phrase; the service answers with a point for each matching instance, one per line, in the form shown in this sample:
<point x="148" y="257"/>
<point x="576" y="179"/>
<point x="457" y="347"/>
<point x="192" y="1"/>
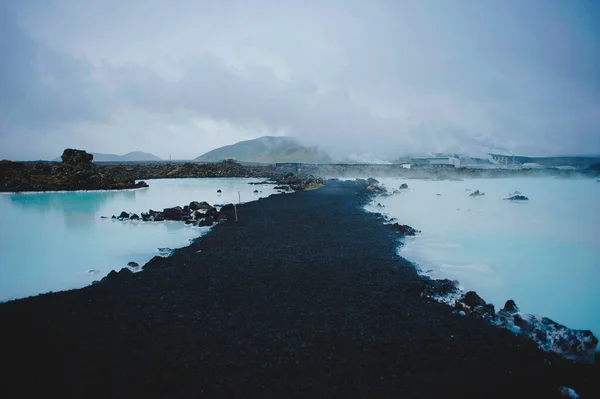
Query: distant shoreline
<point x="41" y="176"/>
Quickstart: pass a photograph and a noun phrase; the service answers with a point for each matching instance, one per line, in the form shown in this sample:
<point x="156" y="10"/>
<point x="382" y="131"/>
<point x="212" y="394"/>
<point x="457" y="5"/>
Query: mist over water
<point x="51" y="241"/>
<point x="543" y="253"/>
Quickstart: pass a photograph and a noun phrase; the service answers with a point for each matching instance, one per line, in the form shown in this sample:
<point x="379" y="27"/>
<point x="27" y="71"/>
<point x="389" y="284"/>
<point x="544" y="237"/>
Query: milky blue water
<point x="544" y="254"/>
<point x="57" y="241"/>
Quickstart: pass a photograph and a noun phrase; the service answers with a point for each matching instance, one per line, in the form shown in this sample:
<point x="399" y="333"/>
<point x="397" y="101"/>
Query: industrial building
<point x="436" y="162"/>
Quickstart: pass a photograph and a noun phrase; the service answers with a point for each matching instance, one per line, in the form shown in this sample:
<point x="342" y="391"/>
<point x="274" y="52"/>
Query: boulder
<point x="472" y="299"/>
<point x="205" y="205"/>
<point x="510" y="307"/>
<point x="194" y="205"/>
<point x="175" y="213"/>
<point x="476" y="193"/>
<point x="403" y="186"/>
<point x="219" y="191"/>
<point x="207" y="221"/>
<point x="76" y="157"/>
<point x="124" y="215"/>
<point x="133" y="264"/>
<point x="134" y="217"/>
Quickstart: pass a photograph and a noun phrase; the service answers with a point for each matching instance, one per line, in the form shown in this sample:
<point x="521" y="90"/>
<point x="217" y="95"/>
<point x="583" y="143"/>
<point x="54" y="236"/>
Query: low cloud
<point x="364" y="81"/>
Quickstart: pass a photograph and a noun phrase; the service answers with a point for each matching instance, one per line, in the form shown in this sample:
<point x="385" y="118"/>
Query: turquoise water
<point x="544" y="253"/>
<point x="58" y="241"/>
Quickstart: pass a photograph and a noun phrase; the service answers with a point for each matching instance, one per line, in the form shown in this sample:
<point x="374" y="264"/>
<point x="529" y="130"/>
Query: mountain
<point x="135" y="156"/>
<point x="267" y="149"/>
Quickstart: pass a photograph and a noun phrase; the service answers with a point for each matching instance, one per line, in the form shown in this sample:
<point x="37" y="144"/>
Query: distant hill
<point x="135" y="156"/>
<point x="267" y="149"/>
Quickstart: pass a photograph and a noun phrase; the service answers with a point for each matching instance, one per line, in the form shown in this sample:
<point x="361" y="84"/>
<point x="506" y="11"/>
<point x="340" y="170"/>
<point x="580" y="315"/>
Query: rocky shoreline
<point x="79" y="173"/>
<point x="304" y="296"/>
<point x="76" y="172"/>
<point x="576" y="345"/>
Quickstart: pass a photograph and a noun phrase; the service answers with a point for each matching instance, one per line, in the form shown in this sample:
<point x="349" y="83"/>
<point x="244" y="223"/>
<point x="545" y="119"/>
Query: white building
<point x="436" y="162"/>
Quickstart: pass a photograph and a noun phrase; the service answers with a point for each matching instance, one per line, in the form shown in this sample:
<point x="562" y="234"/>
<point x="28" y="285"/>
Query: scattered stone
<point x="403" y="186"/>
<point x="219" y="191"/>
<point x="476" y="193"/>
<point x="134" y="217"/>
<point x="124" y="215"/>
<point x="404" y="229"/>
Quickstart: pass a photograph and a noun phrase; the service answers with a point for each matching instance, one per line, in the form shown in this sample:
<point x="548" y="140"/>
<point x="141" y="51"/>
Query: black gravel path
<point x="303" y="297"/>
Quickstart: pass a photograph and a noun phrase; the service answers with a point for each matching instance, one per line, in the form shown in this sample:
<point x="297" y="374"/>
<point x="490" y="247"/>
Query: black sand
<point x="303" y="297"/>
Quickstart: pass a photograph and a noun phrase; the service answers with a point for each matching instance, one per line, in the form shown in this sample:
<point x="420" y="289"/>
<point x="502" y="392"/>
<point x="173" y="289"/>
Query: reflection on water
<point x="79" y="209"/>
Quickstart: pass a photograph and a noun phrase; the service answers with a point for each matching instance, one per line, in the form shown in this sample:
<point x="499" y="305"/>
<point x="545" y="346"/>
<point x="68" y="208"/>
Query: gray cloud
<point x="376" y="79"/>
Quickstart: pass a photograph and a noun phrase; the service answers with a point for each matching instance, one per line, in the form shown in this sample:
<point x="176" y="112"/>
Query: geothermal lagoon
<point x="58" y="241"/>
<point x="543" y="253"/>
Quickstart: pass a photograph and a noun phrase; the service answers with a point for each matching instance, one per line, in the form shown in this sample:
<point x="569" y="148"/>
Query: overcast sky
<point x="369" y="79"/>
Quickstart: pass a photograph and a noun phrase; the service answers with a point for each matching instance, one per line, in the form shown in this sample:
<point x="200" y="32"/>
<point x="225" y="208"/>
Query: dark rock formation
<point x="403" y="186"/>
<point x="76" y="157"/>
<point x="76" y="172"/>
<point x="175" y="213"/>
<point x="196" y="213"/>
<point x="439" y="288"/>
<point x="577" y="345"/>
<point x="472" y="299"/>
<point x="517" y="198"/>
<point x="207" y="221"/>
<point x="510" y="307"/>
<point x="476" y="193"/>
<point x="404" y="229"/>
<point x="299" y="182"/>
<point x="133" y="264"/>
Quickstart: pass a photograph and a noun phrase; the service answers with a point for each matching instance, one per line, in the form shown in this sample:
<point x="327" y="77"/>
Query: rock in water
<point x="175" y="213"/>
<point x="403" y="186"/>
<point x="517" y="198"/>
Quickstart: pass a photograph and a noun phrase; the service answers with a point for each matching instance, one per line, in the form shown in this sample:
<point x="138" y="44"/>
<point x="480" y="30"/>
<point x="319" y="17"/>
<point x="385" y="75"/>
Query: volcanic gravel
<point x="304" y="296"/>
